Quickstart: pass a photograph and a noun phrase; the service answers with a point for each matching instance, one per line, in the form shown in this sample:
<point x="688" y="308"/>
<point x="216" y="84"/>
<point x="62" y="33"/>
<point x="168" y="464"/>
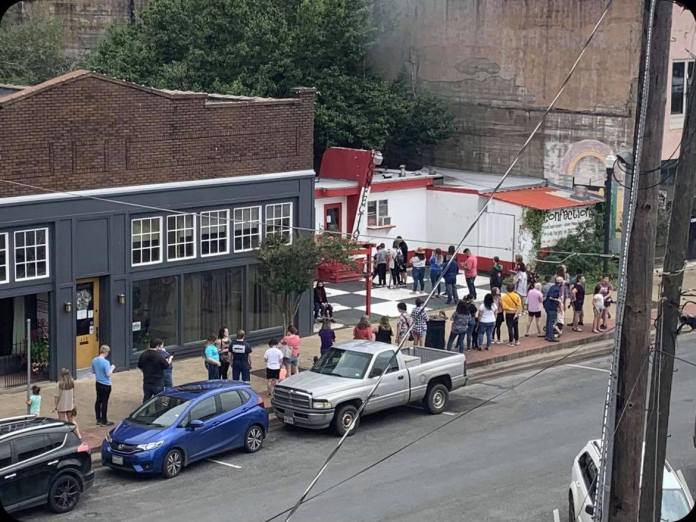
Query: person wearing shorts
<point x="274" y="360"/>
<point x="535" y="301"/>
<point x="292" y="340"/>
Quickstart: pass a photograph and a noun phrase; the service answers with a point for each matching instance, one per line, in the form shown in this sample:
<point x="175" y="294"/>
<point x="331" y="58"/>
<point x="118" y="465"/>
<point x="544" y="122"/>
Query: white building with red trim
<point x="434" y="207"/>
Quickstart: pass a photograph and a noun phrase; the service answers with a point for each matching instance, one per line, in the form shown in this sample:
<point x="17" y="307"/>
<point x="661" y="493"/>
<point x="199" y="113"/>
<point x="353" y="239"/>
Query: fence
<point x="13" y="365"/>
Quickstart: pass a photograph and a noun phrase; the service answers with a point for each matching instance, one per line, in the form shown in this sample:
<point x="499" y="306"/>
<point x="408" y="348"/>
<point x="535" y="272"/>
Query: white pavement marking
<point x="224" y="463"/>
<point x="556" y="516"/>
<point x="448" y="413"/>
<point x="587" y="367"/>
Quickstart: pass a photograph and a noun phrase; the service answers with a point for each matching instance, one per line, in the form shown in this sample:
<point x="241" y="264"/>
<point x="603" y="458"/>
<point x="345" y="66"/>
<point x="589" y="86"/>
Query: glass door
<point x="86" y="322"/>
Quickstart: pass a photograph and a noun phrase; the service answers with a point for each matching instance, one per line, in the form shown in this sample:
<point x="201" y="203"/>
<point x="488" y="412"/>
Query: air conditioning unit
<point x="384" y="221"/>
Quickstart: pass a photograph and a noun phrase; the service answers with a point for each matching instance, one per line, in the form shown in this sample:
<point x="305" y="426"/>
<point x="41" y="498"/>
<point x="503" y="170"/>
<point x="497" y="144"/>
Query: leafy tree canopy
<point x="31" y="49"/>
<point x="265" y="48"/>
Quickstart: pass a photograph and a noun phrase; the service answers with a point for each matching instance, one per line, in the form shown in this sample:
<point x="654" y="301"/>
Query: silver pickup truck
<point x="332" y="391"/>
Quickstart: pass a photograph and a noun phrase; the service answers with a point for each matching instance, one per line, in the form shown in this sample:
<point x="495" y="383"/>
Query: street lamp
<point x="609" y="162"/>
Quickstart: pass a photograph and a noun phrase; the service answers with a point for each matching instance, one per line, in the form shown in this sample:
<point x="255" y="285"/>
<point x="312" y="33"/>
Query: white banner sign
<point x="562" y="223"/>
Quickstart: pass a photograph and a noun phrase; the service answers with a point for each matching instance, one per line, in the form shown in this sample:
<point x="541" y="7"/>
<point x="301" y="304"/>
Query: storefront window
<point x="212" y="300"/>
<point x="154" y="312"/>
<point x="14" y="312"/>
<point x="263" y="310"/>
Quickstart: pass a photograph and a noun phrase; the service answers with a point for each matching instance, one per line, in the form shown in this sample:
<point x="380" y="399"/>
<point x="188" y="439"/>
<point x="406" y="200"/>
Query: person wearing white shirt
<point x="274" y="360"/>
<point x="486" y="316"/>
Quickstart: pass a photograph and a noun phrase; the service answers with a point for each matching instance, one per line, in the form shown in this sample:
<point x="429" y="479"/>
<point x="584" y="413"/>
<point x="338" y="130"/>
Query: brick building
<point x="128" y="213"/>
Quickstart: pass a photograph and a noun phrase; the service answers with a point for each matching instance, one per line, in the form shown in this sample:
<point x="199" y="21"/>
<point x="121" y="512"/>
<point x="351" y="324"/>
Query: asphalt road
<point x="507" y="460"/>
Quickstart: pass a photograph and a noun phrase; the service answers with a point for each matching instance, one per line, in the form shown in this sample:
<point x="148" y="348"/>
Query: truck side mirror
<point x="589" y="509"/>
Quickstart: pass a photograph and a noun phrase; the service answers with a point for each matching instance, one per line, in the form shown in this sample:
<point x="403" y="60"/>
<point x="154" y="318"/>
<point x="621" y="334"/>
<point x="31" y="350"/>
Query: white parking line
<point x="588" y="367"/>
<point x="448" y="413"/>
<point x="224" y="463"/>
<point x="556" y="516"/>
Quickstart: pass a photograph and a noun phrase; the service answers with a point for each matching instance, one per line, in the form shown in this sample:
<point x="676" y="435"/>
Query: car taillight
<point x="83" y="448"/>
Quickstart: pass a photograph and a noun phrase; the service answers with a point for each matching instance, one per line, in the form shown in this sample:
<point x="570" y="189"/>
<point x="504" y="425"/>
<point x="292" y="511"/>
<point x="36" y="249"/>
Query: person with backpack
<point x="449" y="274"/>
<point x="241" y="360"/>
<point x="419" y="317"/>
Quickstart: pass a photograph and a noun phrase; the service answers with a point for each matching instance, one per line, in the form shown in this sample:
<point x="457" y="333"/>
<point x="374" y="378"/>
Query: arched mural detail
<point x="583" y="149"/>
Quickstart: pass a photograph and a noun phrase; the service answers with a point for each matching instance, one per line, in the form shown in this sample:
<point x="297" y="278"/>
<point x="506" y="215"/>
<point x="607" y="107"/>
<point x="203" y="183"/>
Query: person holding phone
<point x="102" y="369"/>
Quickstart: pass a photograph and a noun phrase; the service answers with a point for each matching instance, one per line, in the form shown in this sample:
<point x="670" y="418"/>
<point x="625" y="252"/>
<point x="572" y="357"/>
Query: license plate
<point x="117" y="460"/>
<point x="288" y="420"/>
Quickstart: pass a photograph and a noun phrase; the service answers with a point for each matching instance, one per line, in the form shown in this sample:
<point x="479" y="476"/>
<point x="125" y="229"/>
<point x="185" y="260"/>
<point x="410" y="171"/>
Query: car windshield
<point x="674" y="505"/>
<point x="160" y="411"/>
<point x="343" y="363"/>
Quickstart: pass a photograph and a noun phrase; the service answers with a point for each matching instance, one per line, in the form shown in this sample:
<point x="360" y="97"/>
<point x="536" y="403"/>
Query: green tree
<point x="288" y="270"/>
<point x="31" y="49"/>
<point x="265" y="48"/>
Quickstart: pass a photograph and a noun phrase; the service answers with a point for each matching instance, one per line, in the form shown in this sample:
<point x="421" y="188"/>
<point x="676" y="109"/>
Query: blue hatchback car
<point x="185" y="424"/>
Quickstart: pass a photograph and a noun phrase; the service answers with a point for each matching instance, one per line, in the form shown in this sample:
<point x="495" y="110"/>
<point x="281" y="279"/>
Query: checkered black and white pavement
<point x="348" y="299"/>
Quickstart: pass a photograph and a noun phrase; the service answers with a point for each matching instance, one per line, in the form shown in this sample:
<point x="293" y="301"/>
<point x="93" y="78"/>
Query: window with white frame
<point x="378" y="213"/>
<point x="31" y="254"/>
<point x="247" y="228"/>
<point x="279" y="220"/>
<point x="214" y="236"/>
<point x="181" y="237"/>
<point x="4" y="273"/>
<point x="146" y="241"/>
<point x="682" y="71"/>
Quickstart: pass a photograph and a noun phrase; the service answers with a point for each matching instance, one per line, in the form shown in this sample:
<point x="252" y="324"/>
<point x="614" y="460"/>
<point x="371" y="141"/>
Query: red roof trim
<point x="540" y="199"/>
<point x="336" y="192"/>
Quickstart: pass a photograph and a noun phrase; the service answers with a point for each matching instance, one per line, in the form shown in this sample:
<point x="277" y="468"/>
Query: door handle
<point x="53" y="462"/>
<point x="13" y="475"/>
<point x="400" y="377"/>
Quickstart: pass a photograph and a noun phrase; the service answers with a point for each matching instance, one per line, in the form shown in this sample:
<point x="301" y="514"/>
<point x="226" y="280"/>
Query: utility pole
<point x="669" y="313"/>
<point x="631" y="378"/>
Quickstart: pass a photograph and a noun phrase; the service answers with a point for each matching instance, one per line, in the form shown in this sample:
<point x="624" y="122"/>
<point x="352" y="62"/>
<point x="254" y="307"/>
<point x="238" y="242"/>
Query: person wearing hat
<point x="418" y="272"/>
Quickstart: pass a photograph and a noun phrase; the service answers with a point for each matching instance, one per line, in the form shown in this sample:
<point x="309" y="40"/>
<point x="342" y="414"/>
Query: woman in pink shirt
<point x="535" y="300"/>
<point x="363" y="330"/>
<point x="292" y="340"/>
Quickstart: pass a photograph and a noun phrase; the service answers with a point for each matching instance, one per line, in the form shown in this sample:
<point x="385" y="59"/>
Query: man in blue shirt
<point x="212" y="358"/>
<point x="102" y="369"/>
<point x="551" y="303"/>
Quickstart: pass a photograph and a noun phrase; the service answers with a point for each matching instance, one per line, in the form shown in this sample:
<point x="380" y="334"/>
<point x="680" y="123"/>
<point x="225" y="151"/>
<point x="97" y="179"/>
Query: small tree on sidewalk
<point x="288" y="269"/>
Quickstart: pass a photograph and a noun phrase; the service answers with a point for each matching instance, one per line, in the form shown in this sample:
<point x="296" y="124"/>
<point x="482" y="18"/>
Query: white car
<point x="676" y="497"/>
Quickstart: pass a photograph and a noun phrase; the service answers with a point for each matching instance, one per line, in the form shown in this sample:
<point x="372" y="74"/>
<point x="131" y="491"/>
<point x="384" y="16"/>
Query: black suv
<point x="42" y="461"/>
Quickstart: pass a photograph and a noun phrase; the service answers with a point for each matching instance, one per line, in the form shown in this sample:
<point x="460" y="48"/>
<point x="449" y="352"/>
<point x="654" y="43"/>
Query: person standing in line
<point x="363" y="330"/>
<point x="577" y="300"/>
<point x="241" y="357"/>
<point x="403" y="247"/>
<point x="287" y="357"/>
<point x="211" y="355"/>
<point x="548" y="283"/>
<point x="486" y="315"/>
<point x="519" y="260"/>
<point x="470" y="271"/>
<point x="102" y="370"/>
<point x="403" y="323"/>
<point x="381" y="260"/>
<point x="552" y="302"/>
<point x="418" y="273"/>
<point x="34" y="401"/>
<point x="606" y="289"/>
<point x="449" y="274"/>
<point x="597" y="308"/>
<point x="223" y="346"/>
<point x="521" y="284"/>
<point x="396" y="260"/>
<point x="65" y="400"/>
<point x="499" y="316"/>
<point x="511" y="303"/>
<point x="383" y="332"/>
<point x="327" y="337"/>
<point x="168" y="372"/>
<point x="496" y="279"/>
<point x="152" y="364"/>
<point x="535" y="300"/>
<point x="472" y="332"/>
<point x="460" y="327"/>
<point x="292" y="339"/>
<point x="419" y="318"/>
<point x="274" y="360"/>
<point x="436" y="263"/>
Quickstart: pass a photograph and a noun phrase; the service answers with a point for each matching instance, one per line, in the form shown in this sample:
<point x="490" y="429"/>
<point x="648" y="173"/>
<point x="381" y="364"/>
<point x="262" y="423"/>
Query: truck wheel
<point x="343" y="418"/>
<point x="436" y="398"/>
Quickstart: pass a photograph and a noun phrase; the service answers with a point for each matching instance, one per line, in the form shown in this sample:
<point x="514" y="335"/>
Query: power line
<point x="452" y="258"/>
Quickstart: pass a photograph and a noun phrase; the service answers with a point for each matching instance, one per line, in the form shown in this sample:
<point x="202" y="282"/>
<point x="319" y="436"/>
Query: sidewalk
<point x="127" y="385"/>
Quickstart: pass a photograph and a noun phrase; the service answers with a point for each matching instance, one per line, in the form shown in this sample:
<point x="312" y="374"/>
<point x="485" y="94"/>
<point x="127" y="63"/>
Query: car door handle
<point x="400" y="377"/>
<point x="53" y="462"/>
<point x="11" y="476"/>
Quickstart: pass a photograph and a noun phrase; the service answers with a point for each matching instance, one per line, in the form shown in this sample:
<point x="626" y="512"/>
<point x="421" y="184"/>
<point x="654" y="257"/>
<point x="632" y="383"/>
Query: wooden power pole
<point x="668" y="319"/>
<point x="631" y="387"/>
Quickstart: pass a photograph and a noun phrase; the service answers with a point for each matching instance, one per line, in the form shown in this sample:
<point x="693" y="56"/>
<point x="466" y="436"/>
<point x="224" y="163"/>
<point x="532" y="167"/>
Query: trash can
<point x="435" y="338"/>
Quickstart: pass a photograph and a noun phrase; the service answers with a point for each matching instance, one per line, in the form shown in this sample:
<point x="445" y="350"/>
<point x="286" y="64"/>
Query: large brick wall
<point x="84" y="131"/>
<point x="498" y="63"/>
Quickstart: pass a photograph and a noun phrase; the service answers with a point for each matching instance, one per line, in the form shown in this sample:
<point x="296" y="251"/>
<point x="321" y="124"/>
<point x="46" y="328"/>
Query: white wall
<point x="408" y="212"/>
<point x="319" y="211"/>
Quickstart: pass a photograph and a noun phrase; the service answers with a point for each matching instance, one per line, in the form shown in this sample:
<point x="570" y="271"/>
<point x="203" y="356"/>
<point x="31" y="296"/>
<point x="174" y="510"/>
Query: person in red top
<point x="363" y="330"/>
<point x="470" y="271"/>
<point x="292" y="340"/>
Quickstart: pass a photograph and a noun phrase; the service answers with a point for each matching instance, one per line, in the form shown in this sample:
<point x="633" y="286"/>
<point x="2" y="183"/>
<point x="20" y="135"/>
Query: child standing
<point x="34" y="401"/>
<point x="292" y="339"/>
<point x="383" y="332"/>
<point x="274" y="360"/>
<point x="403" y="323"/>
<point x="327" y="336"/>
<point x="597" y="308"/>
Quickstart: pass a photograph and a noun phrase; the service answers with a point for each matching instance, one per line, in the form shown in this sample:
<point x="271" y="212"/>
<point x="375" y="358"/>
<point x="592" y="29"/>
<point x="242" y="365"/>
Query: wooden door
<point x="86" y="321"/>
